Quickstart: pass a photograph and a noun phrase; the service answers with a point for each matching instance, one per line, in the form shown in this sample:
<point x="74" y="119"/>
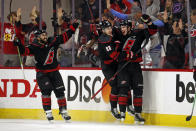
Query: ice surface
<point x="44" y="125"/>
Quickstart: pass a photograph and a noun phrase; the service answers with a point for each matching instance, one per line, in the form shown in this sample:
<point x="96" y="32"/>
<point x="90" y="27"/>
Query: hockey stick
<point x="188" y="118"/>
<point x="20" y="59"/>
<point x="21" y="64"/>
<point x="112" y="78"/>
<point x="54" y="18"/>
<point x="118" y="71"/>
<point x="19" y="55"/>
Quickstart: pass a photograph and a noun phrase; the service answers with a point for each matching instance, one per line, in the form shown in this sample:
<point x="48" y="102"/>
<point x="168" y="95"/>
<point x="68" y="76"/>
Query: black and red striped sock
<point x="113" y="100"/>
<point x="137" y="102"/>
<point x="62" y="103"/>
<point x="122" y="101"/>
<point x="46" y="102"/>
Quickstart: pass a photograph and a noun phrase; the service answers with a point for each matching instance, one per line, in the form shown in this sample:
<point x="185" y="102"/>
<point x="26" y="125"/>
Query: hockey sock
<point x="122" y="101"/>
<point x="113" y="101"/>
<point x="137" y="102"/>
<point x="62" y="103"/>
<point x="46" y="102"/>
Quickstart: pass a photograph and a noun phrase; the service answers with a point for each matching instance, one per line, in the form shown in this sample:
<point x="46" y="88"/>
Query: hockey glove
<point x="130" y="55"/>
<point x="17" y="42"/>
<point x="194" y="73"/>
<point x="75" y="25"/>
<point x="37" y="19"/>
<point x="146" y="19"/>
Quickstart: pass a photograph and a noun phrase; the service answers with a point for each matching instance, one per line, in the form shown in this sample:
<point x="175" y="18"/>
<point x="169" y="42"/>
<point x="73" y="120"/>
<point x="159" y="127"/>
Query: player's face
<point x="44" y="37"/>
<point x="124" y="30"/>
<point x="108" y="31"/>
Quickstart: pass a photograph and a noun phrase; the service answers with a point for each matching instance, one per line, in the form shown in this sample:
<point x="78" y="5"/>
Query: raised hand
<point x="60" y="15"/>
<point x="146" y="18"/>
<point x="108" y="4"/>
<point x="59" y="12"/>
<point x="174" y="25"/>
<point x="180" y="23"/>
<point x="18" y="13"/>
<point x="33" y="11"/>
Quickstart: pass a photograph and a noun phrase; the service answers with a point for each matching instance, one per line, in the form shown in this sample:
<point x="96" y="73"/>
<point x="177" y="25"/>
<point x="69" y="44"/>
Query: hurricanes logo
<point x="193" y="33"/>
<point x="31" y="37"/>
<point x="106" y="92"/>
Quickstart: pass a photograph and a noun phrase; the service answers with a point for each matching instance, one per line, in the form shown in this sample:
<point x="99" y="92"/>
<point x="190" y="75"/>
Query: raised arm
<point x="63" y="38"/>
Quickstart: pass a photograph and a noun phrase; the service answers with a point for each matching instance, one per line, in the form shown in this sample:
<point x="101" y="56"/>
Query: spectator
<point x="168" y="10"/>
<point x="175" y="48"/>
<point x="193" y="35"/>
<point x="122" y="6"/>
<point x="90" y="15"/>
<point x="64" y="51"/>
<point x="10" y="30"/>
<point x="135" y="15"/>
<point x="152" y="7"/>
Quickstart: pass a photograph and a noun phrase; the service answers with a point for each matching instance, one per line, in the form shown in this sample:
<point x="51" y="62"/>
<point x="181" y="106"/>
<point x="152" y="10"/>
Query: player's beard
<point x="43" y="41"/>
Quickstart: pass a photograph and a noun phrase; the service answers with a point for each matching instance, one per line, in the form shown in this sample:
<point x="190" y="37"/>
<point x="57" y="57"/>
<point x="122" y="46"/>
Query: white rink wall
<point x="167" y="95"/>
<point x="168" y="92"/>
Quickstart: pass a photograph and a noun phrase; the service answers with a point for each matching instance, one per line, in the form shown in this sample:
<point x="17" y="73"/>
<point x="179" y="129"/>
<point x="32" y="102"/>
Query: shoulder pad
<point x="104" y="39"/>
<point x="50" y="39"/>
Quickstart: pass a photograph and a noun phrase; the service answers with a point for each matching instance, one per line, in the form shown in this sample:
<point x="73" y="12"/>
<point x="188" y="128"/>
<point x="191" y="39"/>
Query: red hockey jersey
<point x="9" y="32"/>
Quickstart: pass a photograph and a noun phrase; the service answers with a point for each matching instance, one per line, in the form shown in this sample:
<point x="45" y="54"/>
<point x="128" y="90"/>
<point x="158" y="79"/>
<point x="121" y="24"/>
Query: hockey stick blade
<point x="188" y="118"/>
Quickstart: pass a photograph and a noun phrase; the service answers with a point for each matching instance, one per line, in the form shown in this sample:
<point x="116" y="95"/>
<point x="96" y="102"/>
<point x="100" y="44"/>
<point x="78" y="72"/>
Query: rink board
<point x="168" y="96"/>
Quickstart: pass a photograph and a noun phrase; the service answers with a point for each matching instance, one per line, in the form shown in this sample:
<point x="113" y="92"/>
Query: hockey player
<point x="108" y="47"/>
<point x="48" y="77"/>
<point x="28" y="29"/>
<point x="131" y="75"/>
<point x="130" y="109"/>
<point x="108" y="54"/>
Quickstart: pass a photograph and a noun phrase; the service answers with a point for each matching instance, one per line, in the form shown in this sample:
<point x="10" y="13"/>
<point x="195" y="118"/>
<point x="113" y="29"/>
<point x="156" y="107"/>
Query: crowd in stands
<point x="169" y="48"/>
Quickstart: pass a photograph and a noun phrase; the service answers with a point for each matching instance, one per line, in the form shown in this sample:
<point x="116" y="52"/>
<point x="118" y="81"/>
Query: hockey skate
<point x="49" y="116"/>
<point x="65" y="115"/>
<point x="122" y="116"/>
<point x="130" y="110"/>
<point x="115" y="113"/>
<point x="138" y="119"/>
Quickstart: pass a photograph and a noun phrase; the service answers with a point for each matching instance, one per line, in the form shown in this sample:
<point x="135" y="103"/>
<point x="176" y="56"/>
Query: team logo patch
<point x="47" y="83"/>
<point x="193" y="33"/>
<point x="129" y="44"/>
